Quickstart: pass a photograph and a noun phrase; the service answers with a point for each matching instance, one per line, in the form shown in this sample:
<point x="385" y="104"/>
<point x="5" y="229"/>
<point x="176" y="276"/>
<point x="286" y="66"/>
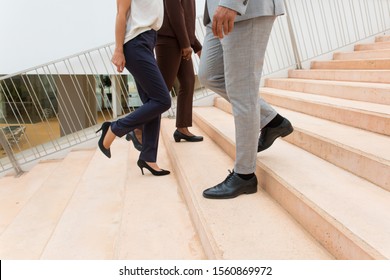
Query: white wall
<point x="34" y="32"/>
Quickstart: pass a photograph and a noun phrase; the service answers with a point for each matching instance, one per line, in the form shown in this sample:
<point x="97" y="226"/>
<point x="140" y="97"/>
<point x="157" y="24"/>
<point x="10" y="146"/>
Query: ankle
<point x="276" y="121"/>
<point x="246" y="176"/>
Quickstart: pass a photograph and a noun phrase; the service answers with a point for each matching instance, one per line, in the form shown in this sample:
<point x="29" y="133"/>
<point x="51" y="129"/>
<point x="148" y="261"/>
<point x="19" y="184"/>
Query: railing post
<point x="292" y="38"/>
<point x="10" y="154"/>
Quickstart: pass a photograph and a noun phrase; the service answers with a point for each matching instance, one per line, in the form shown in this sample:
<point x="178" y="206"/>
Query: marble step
<point x="369" y="76"/>
<point x="372" y="46"/>
<point x="367" y="92"/>
<point x="345" y="213"/>
<point x="383" y="38"/>
<point x="30" y="230"/>
<point x="360" y="152"/>
<point x="247" y="227"/>
<point x="368" y="116"/>
<point x="371" y="54"/>
<point x="364" y="64"/>
<point x="117" y="213"/>
<point x="15" y="192"/>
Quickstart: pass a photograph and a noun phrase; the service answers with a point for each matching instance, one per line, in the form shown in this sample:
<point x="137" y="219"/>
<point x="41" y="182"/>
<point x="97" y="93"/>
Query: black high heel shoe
<point x="142" y="164"/>
<point x="104" y="128"/>
<point x="131" y="137"/>
<point x="177" y="135"/>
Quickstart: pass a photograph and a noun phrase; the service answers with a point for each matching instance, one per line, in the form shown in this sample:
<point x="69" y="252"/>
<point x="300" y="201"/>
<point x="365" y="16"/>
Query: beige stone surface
<point x="368" y="116"/>
<point x="335" y="196"/>
<point x="29" y="232"/>
<point x="383" y="38"/>
<point x="370" y="76"/>
<point x="367" y="92"/>
<point x="371" y="54"/>
<point x="15" y="192"/>
<point x="370" y="64"/>
<point x="156" y="223"/>
<point x="372" y="46"/>
<point x="247" y="227"/>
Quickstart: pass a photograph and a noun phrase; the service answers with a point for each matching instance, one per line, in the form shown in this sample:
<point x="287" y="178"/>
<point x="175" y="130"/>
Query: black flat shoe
<point x="142" y="164"/>
<point x="104" y="128"/>
<point x="131" y="137"/>
<point x="177" y="135"/>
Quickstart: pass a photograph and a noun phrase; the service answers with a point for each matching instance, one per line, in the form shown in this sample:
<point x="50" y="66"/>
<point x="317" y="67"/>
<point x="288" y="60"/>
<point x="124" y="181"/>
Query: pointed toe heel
<point x="142" y="164"/>
<point x="104" y="128"/>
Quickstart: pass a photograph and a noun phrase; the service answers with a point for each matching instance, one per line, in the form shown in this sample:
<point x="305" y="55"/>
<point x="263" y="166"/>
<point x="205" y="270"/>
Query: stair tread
<point x="16" y="192"/>
<point x="375" y="76"/>
<point x="341" y="83"/>
<point x="93" y="211"/>
<point x="163" y="228"/>
<point x="27" y="235"/>
<point x="352" y="64"/>
<point x="359" y="205"/>
<point x="358" y="139"/>
<point x="116" y="213"/>
<point x="357" y="105"/>
<point x="204" y="164"/>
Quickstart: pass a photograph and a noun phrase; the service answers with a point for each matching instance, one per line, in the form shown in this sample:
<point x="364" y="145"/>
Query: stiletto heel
<point x="142" y="164"/>
<point x="104" y="128"/>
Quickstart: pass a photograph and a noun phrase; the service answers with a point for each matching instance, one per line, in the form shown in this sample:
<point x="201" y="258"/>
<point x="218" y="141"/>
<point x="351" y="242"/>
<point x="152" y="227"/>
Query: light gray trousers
<point x="232" y="67"/>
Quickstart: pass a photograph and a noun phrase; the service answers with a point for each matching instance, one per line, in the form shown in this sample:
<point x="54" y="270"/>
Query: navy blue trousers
<point x="154" y="94"/>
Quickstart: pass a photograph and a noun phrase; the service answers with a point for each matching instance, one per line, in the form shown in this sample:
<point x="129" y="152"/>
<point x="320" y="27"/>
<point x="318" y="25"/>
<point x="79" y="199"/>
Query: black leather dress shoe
<point x="269" y="134"/>
<point x="232" y="187"/>
<point x="177" y="135"/>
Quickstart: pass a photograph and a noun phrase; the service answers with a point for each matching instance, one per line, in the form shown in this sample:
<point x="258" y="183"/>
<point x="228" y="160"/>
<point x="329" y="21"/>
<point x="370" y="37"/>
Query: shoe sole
<point x="230" y="196"/>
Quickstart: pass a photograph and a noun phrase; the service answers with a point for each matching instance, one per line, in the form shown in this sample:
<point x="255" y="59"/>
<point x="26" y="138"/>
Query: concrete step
<point x="156" y="222"/>
<point x="383" y="38"/>
<point x="346" y="214"/>
<point x="369" y="64"/>
<point x="360" y="152"/>
<point x="347" y="147"/>
<point x="368" y="116"/>
<point x="372" y="46"/>
<point x="371" y="54"/>
<point x="28" y="233"/>
<point x="91" y="221"/>
<point x="116" y="213"/>
<point x="15" y="192"/>
<point x="367" y="92"/>
<point x="247" y="227"/>
<point x="370" y="76"/>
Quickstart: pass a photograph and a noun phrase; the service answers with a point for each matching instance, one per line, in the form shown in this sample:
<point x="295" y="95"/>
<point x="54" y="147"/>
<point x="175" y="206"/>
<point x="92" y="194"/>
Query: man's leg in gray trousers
<point x="232" y="67"/>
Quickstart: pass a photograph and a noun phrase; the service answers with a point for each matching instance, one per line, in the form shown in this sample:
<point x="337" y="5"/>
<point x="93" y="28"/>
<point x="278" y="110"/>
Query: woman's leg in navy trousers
<point x="154" y="94"/>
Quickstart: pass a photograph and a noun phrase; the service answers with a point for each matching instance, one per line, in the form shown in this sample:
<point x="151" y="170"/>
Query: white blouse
<point x="144" y="15"/>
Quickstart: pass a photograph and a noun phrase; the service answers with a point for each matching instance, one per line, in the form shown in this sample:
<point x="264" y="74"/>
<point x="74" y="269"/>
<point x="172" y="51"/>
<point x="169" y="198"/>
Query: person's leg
<point x="211" y="74"/>
<point x="186" y="77"/>
<point x="244" y="51"/>
<point x="211" y="67"/>
<point x="168" y="55"/>
<point x="153" y="92"/>
<point x="243" y="55"/>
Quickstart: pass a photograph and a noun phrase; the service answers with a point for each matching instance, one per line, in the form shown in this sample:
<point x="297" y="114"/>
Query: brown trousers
<point x="171" y="64"/>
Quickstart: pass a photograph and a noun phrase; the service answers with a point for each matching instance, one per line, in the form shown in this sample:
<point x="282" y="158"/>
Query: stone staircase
<point x="324" y="191"/>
